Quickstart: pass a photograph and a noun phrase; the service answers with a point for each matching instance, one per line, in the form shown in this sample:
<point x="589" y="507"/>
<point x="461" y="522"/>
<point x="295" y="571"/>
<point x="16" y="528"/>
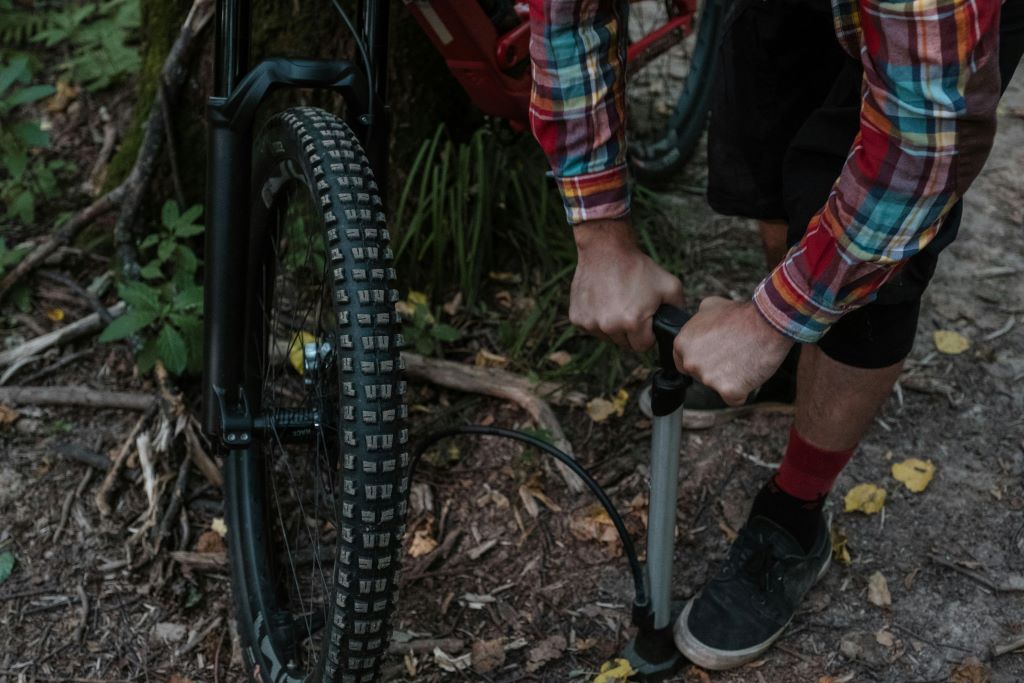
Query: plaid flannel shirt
<point x="929" y="95"/>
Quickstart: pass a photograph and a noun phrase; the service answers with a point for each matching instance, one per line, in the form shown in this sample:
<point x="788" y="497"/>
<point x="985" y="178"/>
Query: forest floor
<point x="532" y="583"/>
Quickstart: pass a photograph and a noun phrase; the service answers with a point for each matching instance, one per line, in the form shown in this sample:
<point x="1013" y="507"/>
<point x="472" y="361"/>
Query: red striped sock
<point x="808" y="472"/>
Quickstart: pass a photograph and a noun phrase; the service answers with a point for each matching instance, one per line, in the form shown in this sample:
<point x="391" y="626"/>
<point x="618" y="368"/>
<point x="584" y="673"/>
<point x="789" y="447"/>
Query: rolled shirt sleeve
<point x="577" y="105"/>
<point x="930" y="90"/>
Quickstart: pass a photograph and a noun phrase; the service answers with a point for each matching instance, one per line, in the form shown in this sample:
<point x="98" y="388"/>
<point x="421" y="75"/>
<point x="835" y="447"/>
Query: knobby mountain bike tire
<point x="316" y="507"/>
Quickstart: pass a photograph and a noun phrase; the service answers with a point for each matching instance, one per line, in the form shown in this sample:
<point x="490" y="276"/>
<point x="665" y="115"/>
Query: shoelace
<point x="759" y="561"/>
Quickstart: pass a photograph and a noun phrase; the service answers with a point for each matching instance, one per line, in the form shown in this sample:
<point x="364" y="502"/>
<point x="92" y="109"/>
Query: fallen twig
<point x="1007" y="647"/>
<point x="201" y="561"/>
<point x="978" y="577"/>
<point x="72" y="496"/>
<point x="77" y="396"/>
<point x="426" y="645"/>
<point x="115" y="467"/>
<point x="198" y="454"/>
<point x="80" y="328"/>
<point x="504" y="385"/>
<point x="98" y="174"/>
<point x="74" y="451"/>
<point x="198" y="636"/>
<point x="177" y="496"/>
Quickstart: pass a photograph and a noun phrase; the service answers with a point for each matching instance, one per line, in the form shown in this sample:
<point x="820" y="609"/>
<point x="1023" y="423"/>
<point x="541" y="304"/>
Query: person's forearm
<point x="577" y="107"/>
<point x="927" y="123"/>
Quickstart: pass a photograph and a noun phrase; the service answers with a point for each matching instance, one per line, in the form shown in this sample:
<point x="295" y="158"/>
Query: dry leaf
<point x="913" y="473"/>
<point x="615" y="671"/>
<point x="453" y="305"/>
<point x="503" y="298"/>
<point x="885" y="638"/>
<point x="175" y="678"/>
<point x="866" y="498"/>
<point x="560" y="358"/>
<point x="970" y="671"/>
<point x="697" y="675"/>
<point x="543" y="498"/>
<point x="410" y="663"/>
<point x="209" y="542"/>
<point x="423" y="540"/>
<point x="878" y="591"/>
<point x="949" y="342"/>
<point x="845" y="678"/>
<point x="55" y="314"/>
<point x="594" y="524"/>
<point x="66" y="93"/>
<point x="513" y="278"/>
<point x="8" y="415"/>
<point x="449" y="663"/>
<point x="487" y="655"/>
<point x="841" y="547"/>
<point x="600" y="409"/>
<point x="543" y="652"/>
<point x="486" y="359"/>
<point x="296" y="351"/>
<point x="529" y="502"/>
<point x="219" y="526"/>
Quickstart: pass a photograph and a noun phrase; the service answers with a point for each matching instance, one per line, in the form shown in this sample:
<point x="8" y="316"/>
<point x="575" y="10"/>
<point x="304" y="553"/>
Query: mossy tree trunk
<point x="423" y="92"/>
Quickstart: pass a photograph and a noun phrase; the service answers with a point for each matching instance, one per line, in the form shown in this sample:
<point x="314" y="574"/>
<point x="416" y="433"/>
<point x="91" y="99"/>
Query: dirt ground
<point x="530" y="576"/>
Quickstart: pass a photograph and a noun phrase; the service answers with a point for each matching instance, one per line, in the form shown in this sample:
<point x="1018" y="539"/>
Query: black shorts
<point x="784" y="114"/>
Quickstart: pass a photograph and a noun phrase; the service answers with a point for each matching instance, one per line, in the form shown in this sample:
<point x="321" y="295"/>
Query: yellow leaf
<point x="615" y="671"/>
<point x="840" y="547"/>
<point x="878" y="591"/>
<point x="486" y="359"/>
<point x="295" y="351"/>
<point x="866" y="498"/>
<point x="600" y="409"/>
<point x="219" y="526"/>
<point x="55" y="314"/>
<point x="422" y="542"/>
<point x="560" y="358"/>
<point x="505" y="277"/>
<point x="417" y="298"/>
<point x="951" y="342"/>
<point x="913" y="473"/>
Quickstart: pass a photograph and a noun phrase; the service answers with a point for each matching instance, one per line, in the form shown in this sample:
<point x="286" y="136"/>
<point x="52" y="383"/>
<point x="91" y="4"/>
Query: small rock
<point x="170" y="632"/>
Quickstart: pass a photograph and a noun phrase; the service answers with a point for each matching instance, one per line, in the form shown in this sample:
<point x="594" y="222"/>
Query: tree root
<point x="504" y="385"/>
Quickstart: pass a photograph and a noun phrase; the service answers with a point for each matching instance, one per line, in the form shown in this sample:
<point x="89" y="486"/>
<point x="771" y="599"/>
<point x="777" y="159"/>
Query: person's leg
<point x="773" y="241"/>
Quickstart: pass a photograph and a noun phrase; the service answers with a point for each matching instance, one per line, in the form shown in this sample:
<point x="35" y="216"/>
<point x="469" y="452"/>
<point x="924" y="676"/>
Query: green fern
<point x="20" y="24"/>
<point x="101" y="39"/>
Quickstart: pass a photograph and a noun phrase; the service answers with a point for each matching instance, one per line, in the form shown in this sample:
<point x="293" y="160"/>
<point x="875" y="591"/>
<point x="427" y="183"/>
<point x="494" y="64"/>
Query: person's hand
<point x="617" y="288"/>
<point x="730" y="347"/>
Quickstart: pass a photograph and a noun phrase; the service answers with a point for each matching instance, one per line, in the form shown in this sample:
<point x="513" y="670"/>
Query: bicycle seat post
<point x="652" y="652"/>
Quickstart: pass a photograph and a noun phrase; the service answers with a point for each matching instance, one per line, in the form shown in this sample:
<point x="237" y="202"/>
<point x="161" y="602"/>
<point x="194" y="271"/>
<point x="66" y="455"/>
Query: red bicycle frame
<point x="494" y="69"/>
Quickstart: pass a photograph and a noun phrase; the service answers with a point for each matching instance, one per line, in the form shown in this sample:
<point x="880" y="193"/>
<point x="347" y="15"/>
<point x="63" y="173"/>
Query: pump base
<point x="653" y="661"/>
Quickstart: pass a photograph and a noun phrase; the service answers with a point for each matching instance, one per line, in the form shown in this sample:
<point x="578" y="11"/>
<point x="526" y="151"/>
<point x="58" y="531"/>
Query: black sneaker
<point x="744" y="609"/>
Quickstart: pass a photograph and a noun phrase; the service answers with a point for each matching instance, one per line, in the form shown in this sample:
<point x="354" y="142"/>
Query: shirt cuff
<point x="595" y="196"/>
<point x="790" y="308"/>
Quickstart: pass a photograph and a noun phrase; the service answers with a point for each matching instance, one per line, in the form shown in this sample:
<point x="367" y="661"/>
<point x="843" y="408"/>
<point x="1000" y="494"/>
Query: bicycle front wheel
<point x="316" y="506"/>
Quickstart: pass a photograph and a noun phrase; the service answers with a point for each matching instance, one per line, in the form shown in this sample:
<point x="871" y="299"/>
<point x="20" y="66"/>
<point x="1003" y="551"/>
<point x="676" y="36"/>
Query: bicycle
<point x="317" y="464"/>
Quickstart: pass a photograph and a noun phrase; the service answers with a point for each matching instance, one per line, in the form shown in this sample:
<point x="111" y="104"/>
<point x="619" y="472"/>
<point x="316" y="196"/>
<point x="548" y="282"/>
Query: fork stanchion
<point x="652" y="652"/>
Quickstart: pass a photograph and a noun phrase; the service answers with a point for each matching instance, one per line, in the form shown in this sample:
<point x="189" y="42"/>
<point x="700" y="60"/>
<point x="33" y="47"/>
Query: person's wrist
<point x="769" y="335"/>
<point x="604" y="236"/>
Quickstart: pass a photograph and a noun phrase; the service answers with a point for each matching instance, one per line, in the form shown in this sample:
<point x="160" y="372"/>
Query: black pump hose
<point x="627" y="541"/>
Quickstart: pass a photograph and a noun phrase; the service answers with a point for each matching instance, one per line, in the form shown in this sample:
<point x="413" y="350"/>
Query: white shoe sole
<point x="714" y="659"/>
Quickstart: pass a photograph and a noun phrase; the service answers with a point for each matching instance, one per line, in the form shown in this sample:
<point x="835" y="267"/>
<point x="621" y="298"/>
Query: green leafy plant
<point x="100" y="40"/>
<point x="19" y="23"/>
<point x="10" y="257"/>
<point x="25" y="177"/>
<point x="423" y="332"/>
<point x="165" y="308"/>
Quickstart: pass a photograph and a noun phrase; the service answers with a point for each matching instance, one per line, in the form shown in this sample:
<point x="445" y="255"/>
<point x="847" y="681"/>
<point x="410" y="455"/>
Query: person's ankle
<point x="802" y="519"/>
